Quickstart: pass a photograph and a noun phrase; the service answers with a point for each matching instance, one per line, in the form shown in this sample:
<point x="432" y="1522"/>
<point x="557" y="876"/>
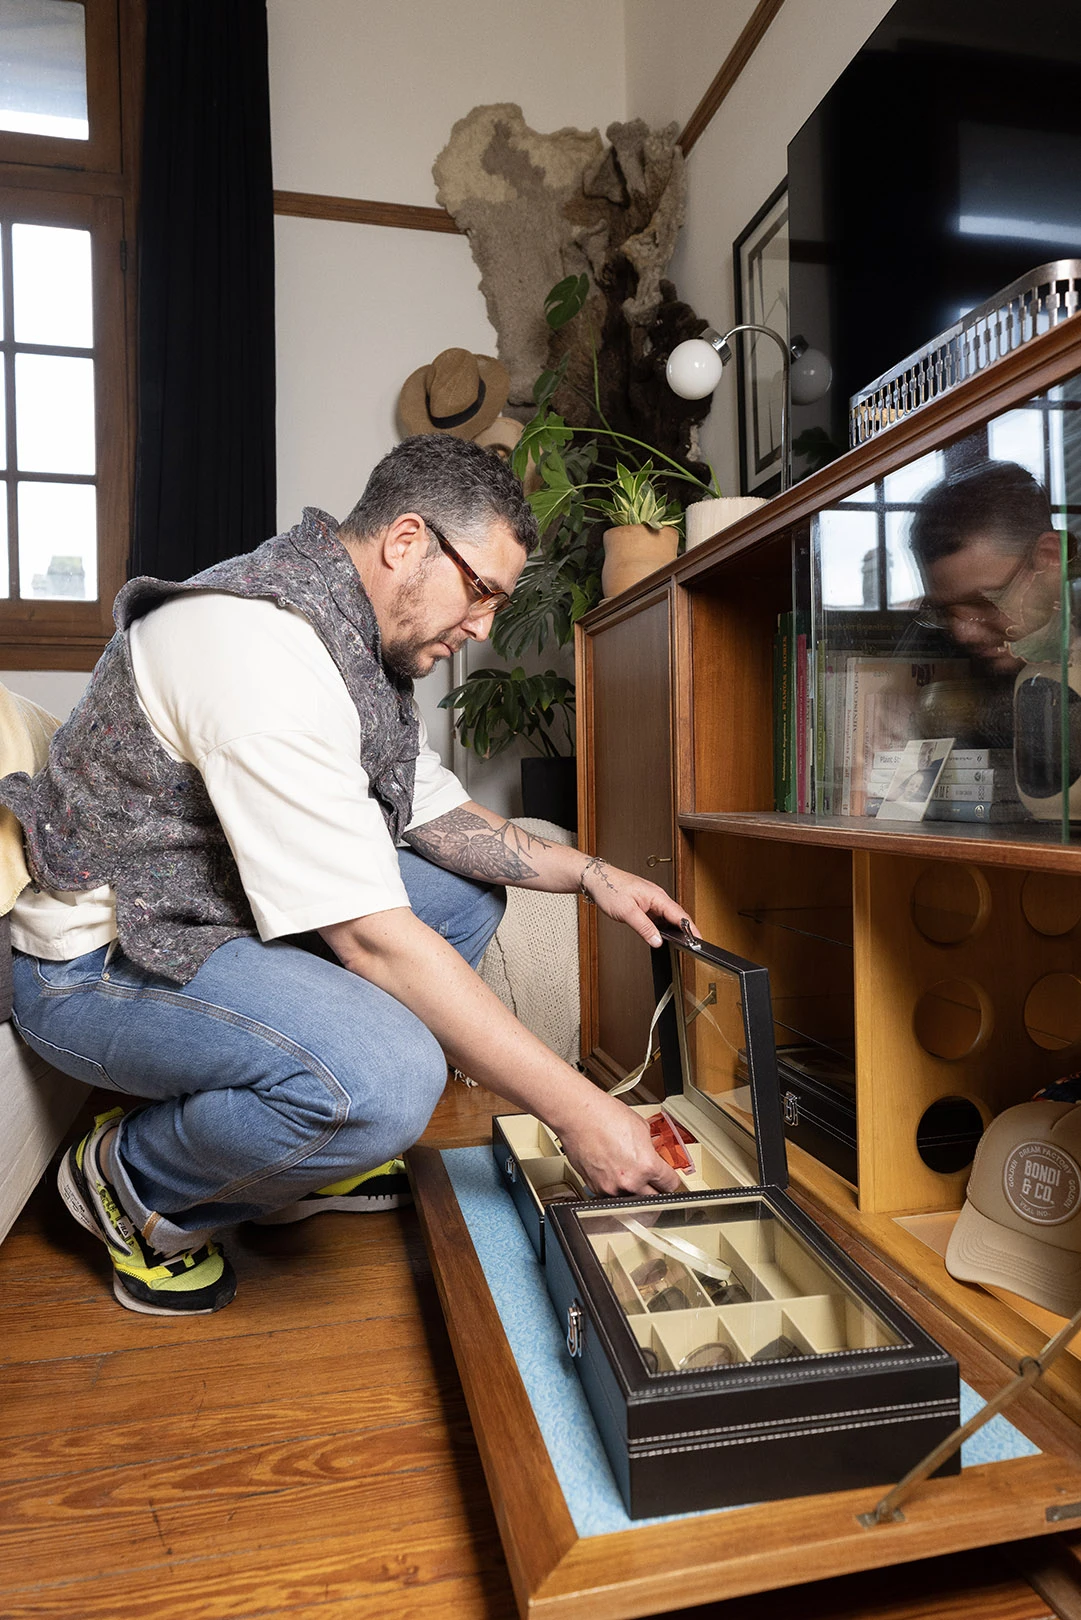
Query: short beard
<point x="402" y="659"/>
<point x="402" y="655"/>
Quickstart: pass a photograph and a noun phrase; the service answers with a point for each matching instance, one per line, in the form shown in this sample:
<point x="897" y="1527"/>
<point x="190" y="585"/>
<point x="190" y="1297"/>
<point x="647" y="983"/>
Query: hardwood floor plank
<point x="57" y="1398"/>
<point x="439" y="1560"/>
<point x="207" y="1430"/>
<point x="54" y="1396"/>
<point x="233" y="1500"/>
<point x="314" y="1295"/>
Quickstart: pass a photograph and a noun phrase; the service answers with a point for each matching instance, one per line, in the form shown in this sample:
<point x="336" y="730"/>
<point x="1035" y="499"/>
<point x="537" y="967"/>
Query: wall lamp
<point x="694" y="370"/>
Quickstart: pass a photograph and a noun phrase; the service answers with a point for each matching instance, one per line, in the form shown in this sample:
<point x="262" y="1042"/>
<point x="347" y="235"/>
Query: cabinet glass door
<point x="943" y="665"/>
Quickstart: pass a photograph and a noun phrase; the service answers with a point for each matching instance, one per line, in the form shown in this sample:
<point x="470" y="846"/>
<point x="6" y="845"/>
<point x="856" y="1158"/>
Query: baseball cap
<point x="1020" y="1227"/>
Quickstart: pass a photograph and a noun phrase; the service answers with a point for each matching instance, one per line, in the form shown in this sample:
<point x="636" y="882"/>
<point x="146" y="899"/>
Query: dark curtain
<point x="205" y="476"/>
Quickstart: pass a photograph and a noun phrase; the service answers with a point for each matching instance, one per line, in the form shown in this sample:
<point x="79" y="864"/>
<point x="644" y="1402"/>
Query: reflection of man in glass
<point x="990" y="559"/>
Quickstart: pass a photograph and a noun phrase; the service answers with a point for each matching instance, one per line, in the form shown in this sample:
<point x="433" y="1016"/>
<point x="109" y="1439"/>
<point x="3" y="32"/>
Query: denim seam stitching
<point x="318" y="1070"/>
<point x="29" y="1036"/>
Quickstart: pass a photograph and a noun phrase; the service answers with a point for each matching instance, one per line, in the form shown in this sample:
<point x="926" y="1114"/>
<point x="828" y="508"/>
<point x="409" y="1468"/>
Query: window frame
<point x="47" y="181"/>
<point x="101" y="153"/>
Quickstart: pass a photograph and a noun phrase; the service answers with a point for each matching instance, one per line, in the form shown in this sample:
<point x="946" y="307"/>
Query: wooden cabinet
<point x="837" y="906"/>
<point x="625" y="715"/>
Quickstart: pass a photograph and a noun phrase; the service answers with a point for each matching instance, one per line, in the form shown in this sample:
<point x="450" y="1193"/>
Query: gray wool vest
<point x="112" y="806"/>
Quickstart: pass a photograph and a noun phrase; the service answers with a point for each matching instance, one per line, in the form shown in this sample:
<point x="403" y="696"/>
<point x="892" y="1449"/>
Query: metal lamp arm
<point x="720" y="343"/>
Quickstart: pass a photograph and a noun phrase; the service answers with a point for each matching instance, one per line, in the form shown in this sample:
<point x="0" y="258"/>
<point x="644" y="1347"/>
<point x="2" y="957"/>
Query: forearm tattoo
<point x="599" y="867"/>
<point x="464" y="842"/>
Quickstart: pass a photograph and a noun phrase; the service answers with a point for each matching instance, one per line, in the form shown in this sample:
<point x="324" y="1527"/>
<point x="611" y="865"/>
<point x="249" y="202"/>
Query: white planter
<point x="706" y="518"/>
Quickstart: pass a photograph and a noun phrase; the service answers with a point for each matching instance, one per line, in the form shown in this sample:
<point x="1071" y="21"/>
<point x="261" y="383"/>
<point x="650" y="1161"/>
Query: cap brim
<point x="982" y="1251"/>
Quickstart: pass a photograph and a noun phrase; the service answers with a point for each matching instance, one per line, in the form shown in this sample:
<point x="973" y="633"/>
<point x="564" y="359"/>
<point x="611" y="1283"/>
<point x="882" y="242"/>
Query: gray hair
<point x="461" y="487"/>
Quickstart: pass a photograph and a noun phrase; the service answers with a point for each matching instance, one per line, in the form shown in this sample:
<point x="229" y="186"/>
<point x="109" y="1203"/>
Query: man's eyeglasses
<point x="940" y="615"/>
<point x="488" y="599"/>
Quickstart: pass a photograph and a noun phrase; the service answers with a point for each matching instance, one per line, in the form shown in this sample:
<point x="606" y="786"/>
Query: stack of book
<point x="868" y="706"/>
<point x="976" y="784"/>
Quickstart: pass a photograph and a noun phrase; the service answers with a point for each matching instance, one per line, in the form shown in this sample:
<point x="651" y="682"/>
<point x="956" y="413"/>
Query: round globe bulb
<point x="810" y="377"/>
<point x="694" y="369"/>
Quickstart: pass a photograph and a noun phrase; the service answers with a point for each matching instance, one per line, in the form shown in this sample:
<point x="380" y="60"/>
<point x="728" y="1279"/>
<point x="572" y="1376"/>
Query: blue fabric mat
<point x="516" y="1282"/>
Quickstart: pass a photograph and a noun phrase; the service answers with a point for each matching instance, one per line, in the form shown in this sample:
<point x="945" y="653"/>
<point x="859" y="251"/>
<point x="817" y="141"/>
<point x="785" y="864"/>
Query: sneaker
<point x="385" y="1187"/>
<point x="191" y="1283"/>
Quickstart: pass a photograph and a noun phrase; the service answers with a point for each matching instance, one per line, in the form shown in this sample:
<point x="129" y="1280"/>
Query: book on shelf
<point x="793" y="708"/>
<point x="784" y="714"/>
<point x="961" y="759"/>
<point x="871" y="712"/>
<point x="961" y="810"/>
<point x="953" y="810"/>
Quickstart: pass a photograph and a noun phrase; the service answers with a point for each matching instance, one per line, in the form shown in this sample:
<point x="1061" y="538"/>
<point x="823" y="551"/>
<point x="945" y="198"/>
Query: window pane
<point x="848" y="558"/>
<point x="43" y="68"/>
<point x="905" y="583"/>
<point x="5" y="584"/>
<point x="58" y="553"/>
<point x="909" y="483"/>
<point x="1018" y="436"/>
<point x="54" y="413"/>
<point x="51" y="282"/>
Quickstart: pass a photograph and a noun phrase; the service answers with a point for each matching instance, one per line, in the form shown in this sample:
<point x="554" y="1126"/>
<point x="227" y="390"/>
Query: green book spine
<point x="778" y="726"/>
<point x="786" y="625"/>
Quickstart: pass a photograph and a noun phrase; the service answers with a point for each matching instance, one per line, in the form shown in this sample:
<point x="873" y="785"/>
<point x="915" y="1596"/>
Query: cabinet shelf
<point x="1033" y="846"/>
<point x="831" y="925"/>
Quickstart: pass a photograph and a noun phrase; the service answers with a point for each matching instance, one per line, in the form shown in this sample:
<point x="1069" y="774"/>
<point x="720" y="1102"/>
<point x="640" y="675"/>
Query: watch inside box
<point x="717" y="1284"/>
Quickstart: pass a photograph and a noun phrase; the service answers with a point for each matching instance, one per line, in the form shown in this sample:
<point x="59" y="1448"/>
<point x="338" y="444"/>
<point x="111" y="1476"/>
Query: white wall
<point x="363" y="98"/>
<point x="673" y="51"/>
<point x="57" y="690"/>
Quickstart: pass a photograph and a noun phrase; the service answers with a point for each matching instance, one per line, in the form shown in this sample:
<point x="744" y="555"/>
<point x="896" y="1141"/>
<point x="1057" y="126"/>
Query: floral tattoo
<point x="463" y="842"/>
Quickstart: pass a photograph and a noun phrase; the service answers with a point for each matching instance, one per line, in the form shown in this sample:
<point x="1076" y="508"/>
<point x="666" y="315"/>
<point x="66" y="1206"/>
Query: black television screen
<point x="944" y="163"/>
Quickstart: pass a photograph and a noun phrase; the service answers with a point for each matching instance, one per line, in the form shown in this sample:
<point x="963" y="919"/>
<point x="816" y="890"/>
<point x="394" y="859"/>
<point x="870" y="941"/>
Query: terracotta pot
<point x="631" y="552"/>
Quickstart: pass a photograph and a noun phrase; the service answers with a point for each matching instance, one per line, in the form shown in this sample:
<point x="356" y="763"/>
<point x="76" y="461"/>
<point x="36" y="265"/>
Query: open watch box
<point x="730" y="1352"/>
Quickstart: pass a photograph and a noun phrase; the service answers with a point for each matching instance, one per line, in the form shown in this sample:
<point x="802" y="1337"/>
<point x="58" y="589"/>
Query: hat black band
<point x="460" y="416"/>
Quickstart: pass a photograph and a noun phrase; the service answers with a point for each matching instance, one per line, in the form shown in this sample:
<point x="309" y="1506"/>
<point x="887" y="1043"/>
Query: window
<point x="66" y="441"/>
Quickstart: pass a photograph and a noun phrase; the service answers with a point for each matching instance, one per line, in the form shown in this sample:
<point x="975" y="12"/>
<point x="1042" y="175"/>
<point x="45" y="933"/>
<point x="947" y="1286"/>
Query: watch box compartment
<point x="730" y="1352"/>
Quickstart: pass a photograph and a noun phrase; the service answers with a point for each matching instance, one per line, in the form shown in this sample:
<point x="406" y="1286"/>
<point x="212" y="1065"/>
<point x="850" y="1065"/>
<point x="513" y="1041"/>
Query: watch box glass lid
<point x="717" y="1052"/>
<point x="726" y="1282"/>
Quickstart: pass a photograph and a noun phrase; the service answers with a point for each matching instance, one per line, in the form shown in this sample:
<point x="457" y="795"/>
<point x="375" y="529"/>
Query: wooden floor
<point x="304" y="1454"/>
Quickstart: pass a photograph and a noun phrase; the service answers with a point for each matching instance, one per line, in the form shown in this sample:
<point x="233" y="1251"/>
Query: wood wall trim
<point x="411" y="217"/>
<point x="356" y="211"/>
<point x="729" y="71"/>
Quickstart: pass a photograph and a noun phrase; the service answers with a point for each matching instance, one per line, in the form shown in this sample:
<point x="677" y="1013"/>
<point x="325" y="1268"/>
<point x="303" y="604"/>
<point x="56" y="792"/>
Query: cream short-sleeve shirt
<point x="247" y="693"/>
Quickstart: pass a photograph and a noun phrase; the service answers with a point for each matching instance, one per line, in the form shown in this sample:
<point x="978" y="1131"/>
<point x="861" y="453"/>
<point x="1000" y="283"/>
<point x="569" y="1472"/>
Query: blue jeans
<point x="272" y="1073"/>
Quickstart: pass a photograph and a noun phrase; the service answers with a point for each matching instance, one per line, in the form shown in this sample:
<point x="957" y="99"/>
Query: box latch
<point x="791" y="1108"/>
<point x="575" y="1328"/>
<point x="510" y="1168"/>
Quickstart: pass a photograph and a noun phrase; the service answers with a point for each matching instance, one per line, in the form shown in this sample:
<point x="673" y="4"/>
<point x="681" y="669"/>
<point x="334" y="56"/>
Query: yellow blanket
<point x="25" y="730"/>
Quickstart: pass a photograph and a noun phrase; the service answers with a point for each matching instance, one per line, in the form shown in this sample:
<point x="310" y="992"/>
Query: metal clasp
<point x="575" y="1328"/>
<point x="791" y="1108"/>
<point x="511" y="1168"/>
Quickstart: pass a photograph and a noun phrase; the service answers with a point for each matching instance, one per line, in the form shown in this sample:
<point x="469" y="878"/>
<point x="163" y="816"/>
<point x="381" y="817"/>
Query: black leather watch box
<point x="730" y="1352"/>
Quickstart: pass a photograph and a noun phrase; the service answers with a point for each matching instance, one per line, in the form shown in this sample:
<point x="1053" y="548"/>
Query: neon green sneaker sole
<point x="385" y="1187"/>
<point x="192" y="1283"/>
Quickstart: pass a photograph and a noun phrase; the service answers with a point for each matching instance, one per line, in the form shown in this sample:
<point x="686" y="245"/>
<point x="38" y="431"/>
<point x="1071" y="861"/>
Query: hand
<point x="610" y="1147"/>
<point x="631" y="900"/>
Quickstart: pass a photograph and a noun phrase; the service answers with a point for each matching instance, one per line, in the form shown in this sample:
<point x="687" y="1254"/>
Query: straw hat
<point x="459" y="393"/>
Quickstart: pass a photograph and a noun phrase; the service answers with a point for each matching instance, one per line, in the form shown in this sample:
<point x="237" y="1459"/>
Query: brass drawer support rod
<point x="1029" y="1370"/>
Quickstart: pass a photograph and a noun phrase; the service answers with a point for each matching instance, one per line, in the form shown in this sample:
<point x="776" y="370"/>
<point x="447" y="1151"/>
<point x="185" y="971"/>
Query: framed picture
<point x="761" y="276"/>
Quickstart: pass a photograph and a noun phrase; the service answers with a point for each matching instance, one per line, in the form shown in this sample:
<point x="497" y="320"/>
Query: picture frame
<point x="760" y="260"/>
